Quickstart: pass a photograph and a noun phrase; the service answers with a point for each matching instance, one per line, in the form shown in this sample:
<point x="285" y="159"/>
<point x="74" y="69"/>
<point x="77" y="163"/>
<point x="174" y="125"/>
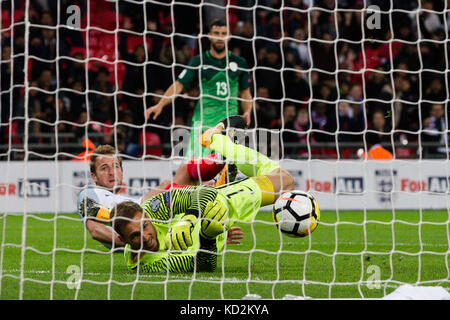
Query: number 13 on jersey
<point x="222" y="88"/>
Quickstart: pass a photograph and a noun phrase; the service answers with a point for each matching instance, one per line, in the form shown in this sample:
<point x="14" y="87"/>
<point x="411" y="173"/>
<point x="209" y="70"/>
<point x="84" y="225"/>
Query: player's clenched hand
<point x="181" y="233"/>
<point x="215" y="220"/>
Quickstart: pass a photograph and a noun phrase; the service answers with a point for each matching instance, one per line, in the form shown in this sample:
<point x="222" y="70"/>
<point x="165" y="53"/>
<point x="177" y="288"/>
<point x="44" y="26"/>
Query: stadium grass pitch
<point x="343" y="258"/>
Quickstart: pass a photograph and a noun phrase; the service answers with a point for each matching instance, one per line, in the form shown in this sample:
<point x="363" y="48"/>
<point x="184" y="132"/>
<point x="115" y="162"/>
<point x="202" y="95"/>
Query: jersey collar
<point x="208" y="54"/>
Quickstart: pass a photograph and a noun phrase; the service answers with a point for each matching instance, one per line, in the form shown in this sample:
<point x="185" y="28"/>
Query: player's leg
<point x="249" y="161"/>
<point x="230" y="127"/>
<point x="253" y="164"/>
<point x="190" y="173"/>
<point x="203" y="169"/>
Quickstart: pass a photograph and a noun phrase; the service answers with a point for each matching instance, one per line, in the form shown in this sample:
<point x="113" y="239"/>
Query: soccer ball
<point x="296" y="213"/>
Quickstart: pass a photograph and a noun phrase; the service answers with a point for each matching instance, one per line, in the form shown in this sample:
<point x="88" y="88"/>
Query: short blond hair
<point x="103" y="150"/>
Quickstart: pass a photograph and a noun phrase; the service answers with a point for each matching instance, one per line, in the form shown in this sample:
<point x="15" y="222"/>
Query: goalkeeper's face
<point x="108" y="172"/>
<point x="140" y="234"/>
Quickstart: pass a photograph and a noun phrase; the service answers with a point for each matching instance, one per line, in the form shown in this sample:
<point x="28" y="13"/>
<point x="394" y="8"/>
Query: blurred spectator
<point x="429" y="20"/>
<point x="266" y="110"/>
<point x="134" y="75"/>
<point x="302" y="126"/>
<point x="268" y="75"/>
<point x="101" y="98"/>
<point x="293" y="18"/>
<point x="296" y="84"/>
<point x="289" y="135"/>
<point x="300" y="45"/>
<point x="73" y="70"/>
<point x="243" y="46"/>
<point x="322" y="122"/>
<point x="348" y="122"/>
<point x="379" y="131"/>
<point x="435" y="130"/>
<point x="290" y="47"/>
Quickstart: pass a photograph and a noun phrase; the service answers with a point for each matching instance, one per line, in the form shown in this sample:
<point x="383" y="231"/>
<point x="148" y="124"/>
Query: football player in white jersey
<point x="107" y="174"/>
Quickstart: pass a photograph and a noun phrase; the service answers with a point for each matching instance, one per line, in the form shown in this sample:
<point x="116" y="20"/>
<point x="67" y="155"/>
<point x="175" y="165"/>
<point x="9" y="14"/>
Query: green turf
<point x="337" y="261"/>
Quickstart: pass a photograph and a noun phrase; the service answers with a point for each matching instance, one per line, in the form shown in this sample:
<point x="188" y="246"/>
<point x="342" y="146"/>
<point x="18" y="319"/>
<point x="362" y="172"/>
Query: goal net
<point x="349" y="96"/>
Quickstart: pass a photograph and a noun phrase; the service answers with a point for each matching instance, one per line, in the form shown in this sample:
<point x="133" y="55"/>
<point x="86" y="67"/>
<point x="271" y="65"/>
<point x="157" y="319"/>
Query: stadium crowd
<point x="322" y="75"/>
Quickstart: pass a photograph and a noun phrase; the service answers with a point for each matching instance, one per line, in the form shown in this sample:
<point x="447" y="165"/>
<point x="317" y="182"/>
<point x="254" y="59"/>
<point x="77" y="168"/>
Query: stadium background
<point x="330" y="101"/>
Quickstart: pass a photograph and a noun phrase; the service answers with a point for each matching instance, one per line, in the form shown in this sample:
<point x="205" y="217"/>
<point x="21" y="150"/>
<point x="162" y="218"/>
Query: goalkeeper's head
<point x="130" y="222"/>
<point x="106" y="168"/>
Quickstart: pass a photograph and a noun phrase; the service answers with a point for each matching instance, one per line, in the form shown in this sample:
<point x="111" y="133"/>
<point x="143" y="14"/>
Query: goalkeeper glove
<point x="215" y="220"/>
<point x="181" y="233"/>
<point x="89" y="208"/>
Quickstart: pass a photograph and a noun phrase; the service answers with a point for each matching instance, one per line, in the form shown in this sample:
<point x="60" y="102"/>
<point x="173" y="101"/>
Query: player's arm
<point x="246" y="104"/>
<point x="102" y="233"/>
<point x="95" y="218"/>
<point x="171" y="92"/>
<point x="244" y="91"/>
<point x="186" y="80"/>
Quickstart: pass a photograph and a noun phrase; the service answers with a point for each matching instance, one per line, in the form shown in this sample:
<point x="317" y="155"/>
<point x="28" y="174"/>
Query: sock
<point x="204" y="169"/>
<point x="250" y="162"/>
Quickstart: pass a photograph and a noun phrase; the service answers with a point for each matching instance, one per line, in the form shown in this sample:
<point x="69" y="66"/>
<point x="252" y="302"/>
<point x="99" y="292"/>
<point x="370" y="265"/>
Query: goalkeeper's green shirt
<point x="169" y="207"/>
<point x="242" y="198"/>
<point x="219" y="82"/>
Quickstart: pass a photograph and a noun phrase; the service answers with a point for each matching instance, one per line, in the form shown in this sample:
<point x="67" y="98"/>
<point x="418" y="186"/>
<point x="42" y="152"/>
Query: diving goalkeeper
<point x="192" y="218"/>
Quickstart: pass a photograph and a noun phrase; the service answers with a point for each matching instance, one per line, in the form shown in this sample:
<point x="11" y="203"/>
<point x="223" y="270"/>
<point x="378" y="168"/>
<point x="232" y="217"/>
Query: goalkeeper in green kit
<point x="222" y="79"/>
<point x="182" y="229"/>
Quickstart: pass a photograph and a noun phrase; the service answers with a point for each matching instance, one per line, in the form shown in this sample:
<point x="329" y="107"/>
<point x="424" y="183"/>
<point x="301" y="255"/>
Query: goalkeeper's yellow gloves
<point x="214" y="222"/>
<point x="181" y="233"/>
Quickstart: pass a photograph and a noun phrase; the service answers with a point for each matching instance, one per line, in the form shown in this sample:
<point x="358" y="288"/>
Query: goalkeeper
<point x="196" y="217"/>
<point x="94" y="203"/>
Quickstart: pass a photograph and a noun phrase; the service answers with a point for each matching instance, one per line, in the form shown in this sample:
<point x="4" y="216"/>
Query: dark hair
<point x="217" y="23"/>
<point x="122" y="214"/>
<point x="102" y="150"/>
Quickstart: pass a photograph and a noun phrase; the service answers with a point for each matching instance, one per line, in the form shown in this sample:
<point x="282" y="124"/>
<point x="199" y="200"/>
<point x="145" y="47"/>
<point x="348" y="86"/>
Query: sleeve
<point x="244" y="78"/>
<point x="188" y="200"/>
<point x="86" y="200"/>
<point x="89" y="207"/>
<point x="189" y="76"/>
<point x="192" y="200"/>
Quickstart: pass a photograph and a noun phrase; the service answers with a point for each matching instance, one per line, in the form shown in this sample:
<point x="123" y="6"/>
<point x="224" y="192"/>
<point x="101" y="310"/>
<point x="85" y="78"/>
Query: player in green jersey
<point x="193" y="218"/>
<point x="222" y="79"/>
